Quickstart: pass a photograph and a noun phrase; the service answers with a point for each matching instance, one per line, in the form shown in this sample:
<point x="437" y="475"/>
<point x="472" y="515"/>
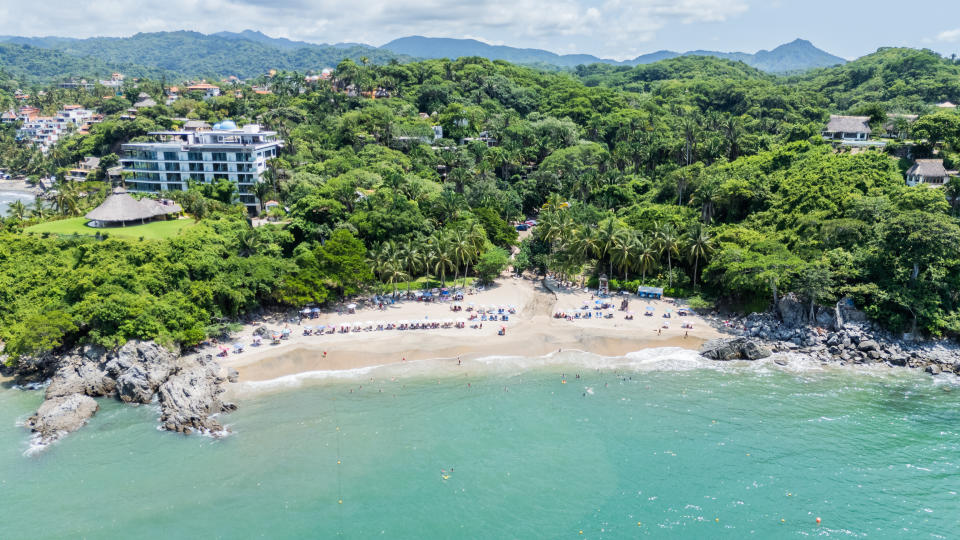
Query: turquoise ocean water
<point x="656" y="444"/>
<point x="8" y="197"/>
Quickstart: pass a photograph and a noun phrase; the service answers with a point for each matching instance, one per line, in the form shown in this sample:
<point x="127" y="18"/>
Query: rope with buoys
<point x="336" y="421"/>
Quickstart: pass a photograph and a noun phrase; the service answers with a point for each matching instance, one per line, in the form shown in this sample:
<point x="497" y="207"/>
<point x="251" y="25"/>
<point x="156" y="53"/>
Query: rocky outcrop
<point x="188" y="388"/>
<point x="791" y="310"/>
<point x="830" y="339"/>
<point x="189" y="398"/>
<point x="738" y="348"/>
<point x="61" y="415"/>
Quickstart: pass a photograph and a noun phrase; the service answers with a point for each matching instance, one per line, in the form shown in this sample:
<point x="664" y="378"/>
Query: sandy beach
<point x="531" y="331"/>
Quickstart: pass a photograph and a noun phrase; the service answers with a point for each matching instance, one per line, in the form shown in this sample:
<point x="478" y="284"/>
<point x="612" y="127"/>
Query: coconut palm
<point x="669" y="243"/>
<point x="646" y="257"/>
<point x="700" y="245"/>
<point x="606" y="239"/>
<point x="441" y="257"/>
<point x="624" y="252"/>
<point x="17" y="210"/>
<point x="39" y="210"/>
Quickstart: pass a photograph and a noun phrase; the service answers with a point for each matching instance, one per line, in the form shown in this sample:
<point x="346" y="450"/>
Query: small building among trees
<point x="848" y="128"/>
<point x="927" y="171"/>
<point x="120" y="210"/>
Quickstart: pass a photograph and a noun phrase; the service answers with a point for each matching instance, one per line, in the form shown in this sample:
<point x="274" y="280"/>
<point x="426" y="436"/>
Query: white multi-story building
<point x="178" y="157"/>
<point x="44" y="131"/>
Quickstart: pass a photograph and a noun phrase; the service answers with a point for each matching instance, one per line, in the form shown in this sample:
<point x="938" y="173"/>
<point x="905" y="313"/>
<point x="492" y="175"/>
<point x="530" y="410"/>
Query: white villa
<point x="227" y="152"/>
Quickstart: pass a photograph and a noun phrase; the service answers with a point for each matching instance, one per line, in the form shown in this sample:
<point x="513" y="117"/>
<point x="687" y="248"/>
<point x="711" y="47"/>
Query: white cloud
<point x="611" y="28"/>
<point x="949" y="35"/>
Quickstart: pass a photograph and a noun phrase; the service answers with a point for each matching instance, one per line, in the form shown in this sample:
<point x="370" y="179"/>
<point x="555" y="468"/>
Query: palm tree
<point x="625" y="251"/>
<point x="248" y="242"/>
<point x="669" y="243"/>
<point x="585" y="244"/>
<point x="17" y="210"/>
<point x="646" y="257"/>
<point x="392" y="271"/>
<point x="606" y="237"/>
<point x="441" y="257"/>
<point x="475" y="239"/>
<point x="39" y="210"/>
<point x="700" y="246"/>
<point x="411" y="259"/>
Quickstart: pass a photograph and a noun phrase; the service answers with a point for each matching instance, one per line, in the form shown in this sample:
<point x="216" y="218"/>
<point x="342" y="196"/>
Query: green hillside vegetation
<point x="180" y="54"/>
<point x="29" y="64"/>
<point x="699" y="175"/>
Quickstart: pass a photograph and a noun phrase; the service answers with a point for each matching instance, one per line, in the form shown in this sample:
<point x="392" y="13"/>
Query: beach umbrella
<point x="351" y="306"/>
<point x="286" y="331"/>
<point x="650" y="308"/>
<point x="305" y="311"/>
<point x="308" y="327"/>
<point x="238" y="345"/>
<point x="315" y="310"/>
<point x="321" y="327"/>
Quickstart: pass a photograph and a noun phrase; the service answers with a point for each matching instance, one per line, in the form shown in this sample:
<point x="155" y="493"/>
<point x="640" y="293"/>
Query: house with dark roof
<point x="928" y="171"/>
<point x="848" y="128"/>
<point x="79" y="172"/>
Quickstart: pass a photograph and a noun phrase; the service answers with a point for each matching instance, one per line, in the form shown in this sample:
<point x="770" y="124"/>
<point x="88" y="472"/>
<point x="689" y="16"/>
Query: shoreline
<point x="531" y="332"/>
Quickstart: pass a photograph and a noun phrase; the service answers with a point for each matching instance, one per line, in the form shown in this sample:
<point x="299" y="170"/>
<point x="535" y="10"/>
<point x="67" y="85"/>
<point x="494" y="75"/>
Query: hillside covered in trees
<point x="700" y="175"/>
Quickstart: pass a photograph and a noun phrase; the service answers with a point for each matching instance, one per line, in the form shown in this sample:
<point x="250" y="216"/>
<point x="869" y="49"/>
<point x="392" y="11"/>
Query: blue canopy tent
<point x="650" y="292"/>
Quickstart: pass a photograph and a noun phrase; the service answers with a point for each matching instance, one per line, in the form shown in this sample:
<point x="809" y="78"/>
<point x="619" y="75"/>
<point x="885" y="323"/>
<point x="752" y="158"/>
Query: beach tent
<point x="649" y="292"/>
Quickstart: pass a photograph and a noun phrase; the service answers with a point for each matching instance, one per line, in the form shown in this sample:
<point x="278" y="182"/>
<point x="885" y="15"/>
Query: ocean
<point x="659" y="444"/>
<point x="7" y="197"/>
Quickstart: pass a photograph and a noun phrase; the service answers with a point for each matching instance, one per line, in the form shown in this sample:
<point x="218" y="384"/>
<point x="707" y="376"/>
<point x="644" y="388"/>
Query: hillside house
<point x="897" y="126"/>
<point x="209" y="90"/>
<point x="848" y="129"/>
<point x="79" y="172"/>
<point x="930" y="172"/>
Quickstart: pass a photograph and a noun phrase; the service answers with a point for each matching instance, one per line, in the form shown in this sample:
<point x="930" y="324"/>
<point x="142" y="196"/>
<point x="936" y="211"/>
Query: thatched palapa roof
<point x="848" y="124"/>
<point x="929" y="168"/>
<point x="120" y="207"/>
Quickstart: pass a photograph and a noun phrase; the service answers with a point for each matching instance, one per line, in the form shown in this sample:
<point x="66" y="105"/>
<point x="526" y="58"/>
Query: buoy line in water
<point x="336" y="421"/>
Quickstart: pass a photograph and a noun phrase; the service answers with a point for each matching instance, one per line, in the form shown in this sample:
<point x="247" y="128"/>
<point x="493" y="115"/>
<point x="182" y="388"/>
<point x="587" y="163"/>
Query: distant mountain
<point x="799" y="55"/>
<point x="188" y="54"/>
<point x="260" y="37"/>
<point x="425" y="47"/>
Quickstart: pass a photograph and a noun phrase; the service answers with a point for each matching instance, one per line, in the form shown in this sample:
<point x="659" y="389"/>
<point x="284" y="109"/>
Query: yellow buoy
<point x="340" y="501"/>
<point x="717" y="520"/>
<point x="338" y="462"/>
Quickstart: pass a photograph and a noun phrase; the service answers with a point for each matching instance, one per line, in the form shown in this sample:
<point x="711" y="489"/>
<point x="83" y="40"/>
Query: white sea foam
<point x="645" y="360"/>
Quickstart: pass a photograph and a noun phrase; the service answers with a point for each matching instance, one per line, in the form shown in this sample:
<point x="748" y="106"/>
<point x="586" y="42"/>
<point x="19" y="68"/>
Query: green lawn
<point x="155" y="230"/>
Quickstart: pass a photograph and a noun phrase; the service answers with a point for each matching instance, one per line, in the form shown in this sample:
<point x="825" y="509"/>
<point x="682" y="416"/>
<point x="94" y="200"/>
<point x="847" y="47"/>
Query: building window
<point x="171" y="156"/>
<point x="219" y="156"/>
<point x="172" y="166"/>
<point x="195" y="156"/>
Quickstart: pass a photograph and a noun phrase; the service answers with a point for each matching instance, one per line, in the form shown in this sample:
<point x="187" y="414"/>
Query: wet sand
<point x="533" y="331"/>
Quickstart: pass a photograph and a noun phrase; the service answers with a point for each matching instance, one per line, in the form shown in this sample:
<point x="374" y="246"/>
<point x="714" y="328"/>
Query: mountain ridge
<point x="798" y="55"/>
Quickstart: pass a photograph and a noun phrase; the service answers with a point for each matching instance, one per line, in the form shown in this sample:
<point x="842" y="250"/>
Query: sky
<point x="618" y="29"/>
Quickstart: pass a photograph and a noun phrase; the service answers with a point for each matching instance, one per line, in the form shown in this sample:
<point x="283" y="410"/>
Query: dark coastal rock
<point x="190" y="398"/>
<point x="61" y="415"/>
<point x="791" y="310"/>
<point x="83" y="372"/>
<point x="734" y="349"/>
<point x="135" y="373"/>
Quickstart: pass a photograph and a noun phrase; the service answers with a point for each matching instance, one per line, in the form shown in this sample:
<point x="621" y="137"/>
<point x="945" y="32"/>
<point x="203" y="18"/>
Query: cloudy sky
<point x="608" y="28"/>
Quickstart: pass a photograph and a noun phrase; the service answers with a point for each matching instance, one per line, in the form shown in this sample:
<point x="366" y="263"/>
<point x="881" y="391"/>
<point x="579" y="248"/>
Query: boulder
<point x="791" y="310"/>
<point x="81" y="374"/>
<point x="190" y="398"/>
<point x="734" y="348"/>
<point x="61" y="415"/>
<point x="868" y="345"/>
